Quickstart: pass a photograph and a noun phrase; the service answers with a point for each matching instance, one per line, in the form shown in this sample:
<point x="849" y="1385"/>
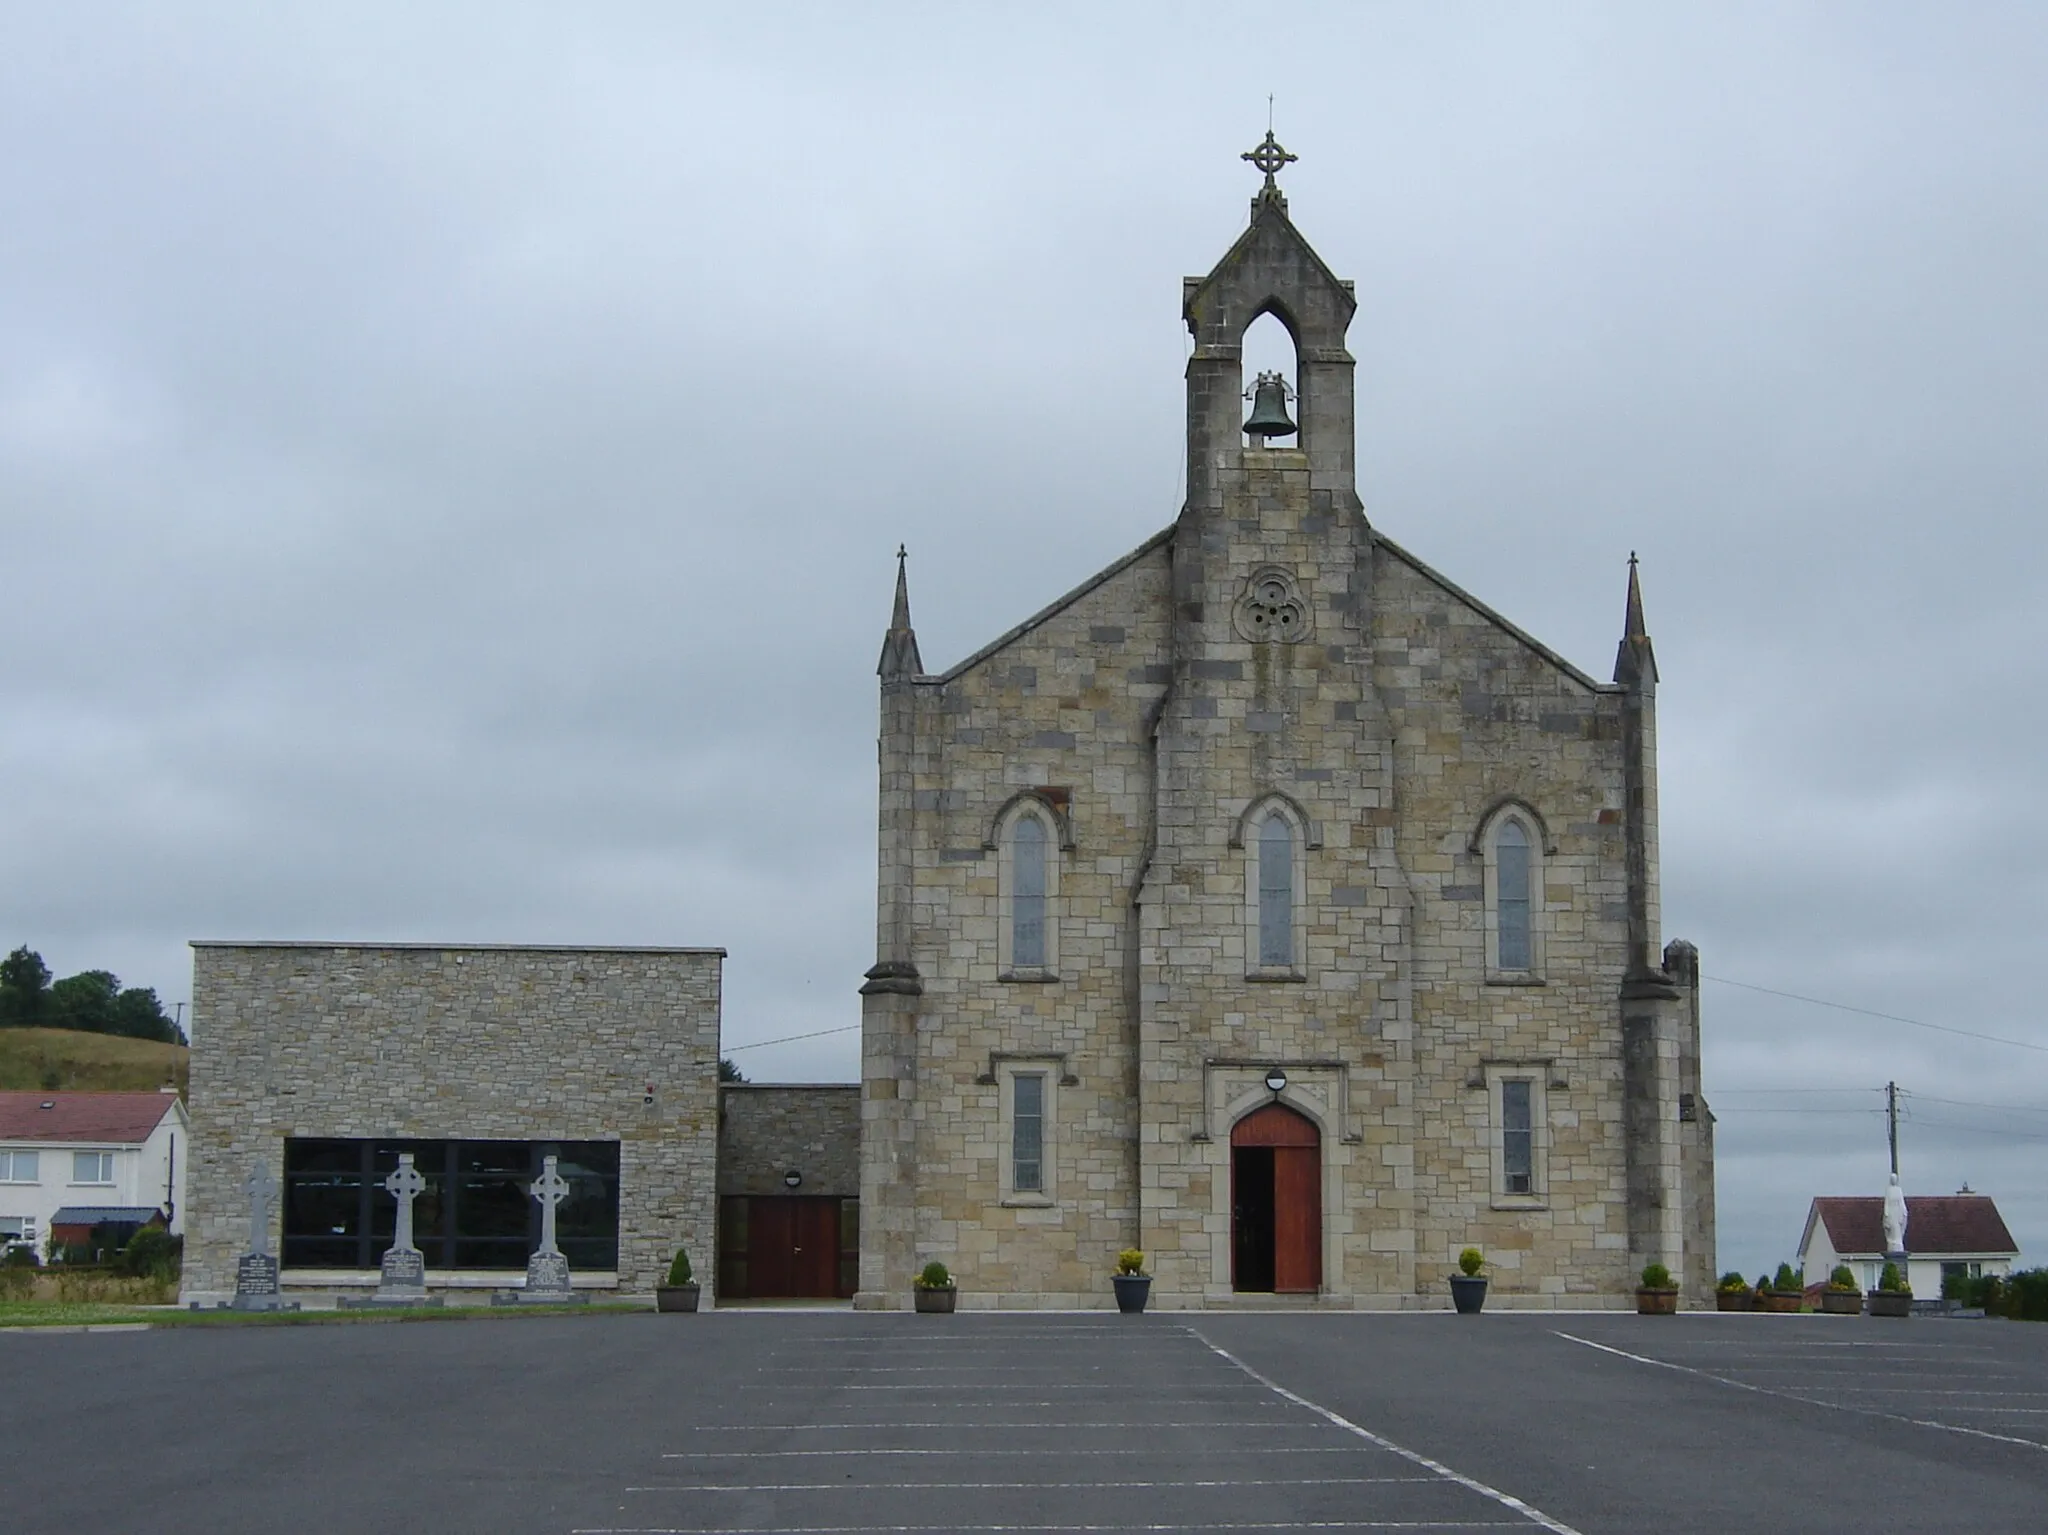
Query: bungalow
<point x="77" y="1160"/>
<point x="1946" y="1234"/>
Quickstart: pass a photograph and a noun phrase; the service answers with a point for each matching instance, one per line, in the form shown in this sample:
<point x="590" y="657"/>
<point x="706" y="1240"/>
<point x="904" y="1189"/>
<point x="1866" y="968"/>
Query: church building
<point x="1271" y="904"/>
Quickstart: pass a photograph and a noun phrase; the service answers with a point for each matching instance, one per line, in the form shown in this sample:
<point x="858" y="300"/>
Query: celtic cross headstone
<point x="256" y="1278"/>
<point x="403" y="1272"/>
<point x="547" y="1271"/>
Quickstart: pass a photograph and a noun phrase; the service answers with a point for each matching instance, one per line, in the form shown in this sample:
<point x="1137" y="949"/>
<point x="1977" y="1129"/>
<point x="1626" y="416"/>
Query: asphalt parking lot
<point x="831" y="1421"/>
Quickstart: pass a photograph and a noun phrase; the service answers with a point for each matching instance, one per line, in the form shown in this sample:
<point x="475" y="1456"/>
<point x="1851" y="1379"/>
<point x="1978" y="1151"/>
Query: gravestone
<point x="402" y="1275"/>
<point x="547" y="1271"/>
<point x="256" y="1281"/>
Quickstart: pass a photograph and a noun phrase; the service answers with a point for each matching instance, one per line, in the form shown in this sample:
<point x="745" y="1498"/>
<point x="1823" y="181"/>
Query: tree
<point x="727" y="1071"/>
<point x="24" y="988"/>
<point x="85" y="1001"/>
<point x="140" y="1015"/>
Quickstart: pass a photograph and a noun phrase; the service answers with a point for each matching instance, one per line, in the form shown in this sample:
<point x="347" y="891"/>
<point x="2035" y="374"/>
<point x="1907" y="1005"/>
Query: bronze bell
<point x="1269" y="409"/>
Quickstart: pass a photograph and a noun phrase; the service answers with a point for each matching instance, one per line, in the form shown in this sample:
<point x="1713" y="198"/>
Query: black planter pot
<point x="1468" y="1293"/>
<point x="1131" y="1290"/>
<point x="676" y="1297"/>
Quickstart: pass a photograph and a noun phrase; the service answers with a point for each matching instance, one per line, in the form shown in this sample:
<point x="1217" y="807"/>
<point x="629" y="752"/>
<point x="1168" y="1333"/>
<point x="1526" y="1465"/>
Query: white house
<point x="81" y="1159"/>
<point x="1960" y="1233"/>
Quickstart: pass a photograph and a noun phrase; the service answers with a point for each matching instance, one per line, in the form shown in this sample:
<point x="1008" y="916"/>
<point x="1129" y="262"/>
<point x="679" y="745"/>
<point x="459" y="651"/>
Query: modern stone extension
<point x="1273" y="661"/>
<point x="464" y="1042"/>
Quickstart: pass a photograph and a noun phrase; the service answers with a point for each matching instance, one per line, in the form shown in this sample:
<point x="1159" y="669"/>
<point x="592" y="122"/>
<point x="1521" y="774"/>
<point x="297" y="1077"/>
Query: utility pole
<point x="1891" y="1114"/>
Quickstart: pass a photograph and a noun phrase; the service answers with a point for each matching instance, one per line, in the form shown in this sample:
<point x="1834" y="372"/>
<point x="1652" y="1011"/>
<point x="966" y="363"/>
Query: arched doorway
<point x="1276" y="1203"/>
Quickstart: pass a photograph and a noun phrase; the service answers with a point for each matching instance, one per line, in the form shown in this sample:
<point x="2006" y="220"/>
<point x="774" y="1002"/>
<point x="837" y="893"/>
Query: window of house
<point x="19" y="1166"/>
<point x="1517" y="1136"/>
<point x="1027" y="895"/>
<point x="1520" y="1142"/>
<point x="1514" y="878"/>
<point x="475" y="1213"/>
<point x="1276" y="893"/>
<point x="17" y="1228"/>
<point x="1029" y="938"/>
<point x="1027" y="1133"/>
<point x="1029" y="1137"/>
<point x="92" y="1167"/>
<point x="1511" y="895"/>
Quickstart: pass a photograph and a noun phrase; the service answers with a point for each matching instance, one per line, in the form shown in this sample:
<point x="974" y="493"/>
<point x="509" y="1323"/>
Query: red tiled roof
<point x="115" y="1118"/>
<point x="1935" y="1223"/>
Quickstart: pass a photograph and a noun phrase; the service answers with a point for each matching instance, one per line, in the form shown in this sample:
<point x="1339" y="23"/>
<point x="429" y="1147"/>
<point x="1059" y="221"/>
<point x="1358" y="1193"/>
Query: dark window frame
<point x="460" y="1222"/>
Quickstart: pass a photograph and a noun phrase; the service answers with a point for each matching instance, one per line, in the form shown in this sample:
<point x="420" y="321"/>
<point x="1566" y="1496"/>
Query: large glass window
<point x="1276" y="893"/>
<point x="475" y="1212"/>
<point x="1511" y="896"/>
<point x="19" y="1166"/>
<point x="1027" y="894"/>
<point x="92" y="1167"/>
<point x="1027" y="1134"/>
<point x="1518" y="1135"/>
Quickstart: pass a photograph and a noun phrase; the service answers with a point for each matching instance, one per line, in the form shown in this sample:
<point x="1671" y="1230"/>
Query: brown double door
<point x="1276" y="1203"/>
<point x="792" y="1248"/>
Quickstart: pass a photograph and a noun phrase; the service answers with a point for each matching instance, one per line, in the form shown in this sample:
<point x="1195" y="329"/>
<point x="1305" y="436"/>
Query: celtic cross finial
<point x="1270" y="158"/>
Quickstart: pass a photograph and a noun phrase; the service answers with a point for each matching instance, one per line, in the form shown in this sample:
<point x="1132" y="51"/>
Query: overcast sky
<point x="451" y="459"/>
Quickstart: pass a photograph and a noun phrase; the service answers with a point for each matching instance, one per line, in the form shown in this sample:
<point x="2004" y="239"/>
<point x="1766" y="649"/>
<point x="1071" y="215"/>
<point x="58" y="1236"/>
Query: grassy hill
<point x="67" y="1060"/>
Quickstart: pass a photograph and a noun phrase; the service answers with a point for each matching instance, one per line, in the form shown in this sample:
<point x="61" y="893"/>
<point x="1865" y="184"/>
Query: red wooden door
<point x="771" y="1240"/>
<point x="1297" y="1202"/>
<point x="1297" y="1220"/>
<point x="814" y="1255"/>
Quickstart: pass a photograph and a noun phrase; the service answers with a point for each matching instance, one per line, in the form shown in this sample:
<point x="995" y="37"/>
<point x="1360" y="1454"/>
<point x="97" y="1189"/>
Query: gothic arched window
<point x="1276" y="893"/>
<point x="1027" y="894"/>
<point x="1028" y="843"/>
<point x="1512" y="843"/>
<point x="1511" y="895"/>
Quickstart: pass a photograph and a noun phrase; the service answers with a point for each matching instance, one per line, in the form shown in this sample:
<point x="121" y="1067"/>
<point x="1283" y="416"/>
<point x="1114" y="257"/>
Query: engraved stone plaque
<point x="256" y="1274"/>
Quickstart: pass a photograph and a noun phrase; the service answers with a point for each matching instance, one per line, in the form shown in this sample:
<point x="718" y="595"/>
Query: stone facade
<point x="767" y="1129"/>
<point x="456" y="1042"/>
<point x="1273" y="654"/>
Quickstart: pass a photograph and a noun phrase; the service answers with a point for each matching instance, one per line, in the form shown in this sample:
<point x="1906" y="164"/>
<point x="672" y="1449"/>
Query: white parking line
<point x="1063" y="1486"/>
<point x="987" y="1423"/>
<point x="1505" y="1500"/>
<point x="953" y="1527"/>
<point x="984" y="1454"/>
<point x="1789" y="1396"/>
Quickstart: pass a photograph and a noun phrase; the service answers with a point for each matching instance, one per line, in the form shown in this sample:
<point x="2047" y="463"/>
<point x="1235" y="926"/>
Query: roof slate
<point x="108" y="1118"/>
<point x="1935" y="1223"/>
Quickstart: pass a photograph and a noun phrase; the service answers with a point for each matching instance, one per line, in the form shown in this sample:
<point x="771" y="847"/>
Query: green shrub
<point x="152" y="1253"/>
<point x="1763" y="1284"/>
<point x="1656" y="1277"/>
<point x="934" y="1276"/>
<point x="1842" y="1279"/>
<point x="679" y="1271"/>
<point x="16" y="1282"/>
<point x="1890" y="1279"/>
<point x="1130" y="1261"/>
<point x="1470" y="1262"/>
<point x="1787" y="1280"/>
<point x="1733" y="1283"/>
<point x="21" y="1258"/>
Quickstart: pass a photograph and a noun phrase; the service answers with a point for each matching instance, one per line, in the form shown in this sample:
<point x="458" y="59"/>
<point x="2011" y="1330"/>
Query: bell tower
<point x="1271" y="733"/>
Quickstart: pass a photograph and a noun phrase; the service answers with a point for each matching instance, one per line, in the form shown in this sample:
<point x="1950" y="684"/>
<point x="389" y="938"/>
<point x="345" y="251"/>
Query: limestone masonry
<point x="385" y="1042"/>
<point x="1270" y="793"/>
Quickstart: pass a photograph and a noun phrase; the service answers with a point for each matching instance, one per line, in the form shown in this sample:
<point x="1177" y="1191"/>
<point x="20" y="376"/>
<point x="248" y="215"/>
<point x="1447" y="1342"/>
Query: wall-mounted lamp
<point x="792" y="1179"/>
<point x="1276" y="1081"/>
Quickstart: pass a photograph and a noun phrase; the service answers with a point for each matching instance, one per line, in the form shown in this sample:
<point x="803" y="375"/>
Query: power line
<point x="1966" y="1103"/>
<point x="790" y="1039"/>
<point x="1867" y="1012"/>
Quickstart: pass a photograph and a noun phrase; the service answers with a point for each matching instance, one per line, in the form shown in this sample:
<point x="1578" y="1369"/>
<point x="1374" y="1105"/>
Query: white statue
<point x="1894" y="1217"/>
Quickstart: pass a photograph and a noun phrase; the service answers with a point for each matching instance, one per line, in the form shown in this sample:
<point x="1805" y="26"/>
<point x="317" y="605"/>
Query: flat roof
<point x="445" y="948"/>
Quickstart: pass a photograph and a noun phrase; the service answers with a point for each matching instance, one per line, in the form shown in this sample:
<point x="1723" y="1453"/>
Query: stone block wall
<point x="766" y="1129"/>
<point x="456" y="1041"/>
